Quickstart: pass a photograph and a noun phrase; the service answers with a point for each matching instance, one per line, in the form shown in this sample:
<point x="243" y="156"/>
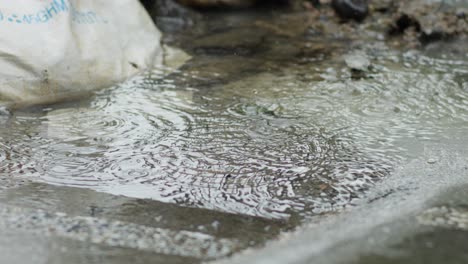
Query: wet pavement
<point x="266" y="134"/>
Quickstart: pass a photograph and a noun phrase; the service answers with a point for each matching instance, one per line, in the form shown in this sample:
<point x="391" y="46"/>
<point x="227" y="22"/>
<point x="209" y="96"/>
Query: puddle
<point x="274" y="128"/>
<point x="303" y="138"/>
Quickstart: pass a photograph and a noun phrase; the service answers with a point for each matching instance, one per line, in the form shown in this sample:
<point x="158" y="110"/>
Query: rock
<point x="171" y="16"/>
<point x="431" y="21"/>
<point x="357" y="61"/>
<point x="351" y="9"/>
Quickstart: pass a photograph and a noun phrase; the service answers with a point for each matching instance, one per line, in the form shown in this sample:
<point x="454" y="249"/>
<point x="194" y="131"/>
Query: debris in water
<point x="357" y="61"/>
<point x="351" y="9"/>
<point x="4" y="111"/>
<point x="4" y="114"/>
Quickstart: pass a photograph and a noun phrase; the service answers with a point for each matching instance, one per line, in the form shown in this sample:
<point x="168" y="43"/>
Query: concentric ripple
<point x="269" y="145"/>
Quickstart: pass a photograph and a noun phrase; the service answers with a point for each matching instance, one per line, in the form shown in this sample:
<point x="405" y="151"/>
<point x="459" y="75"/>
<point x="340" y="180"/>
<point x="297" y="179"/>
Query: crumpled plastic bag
<point x="56" y="49"/>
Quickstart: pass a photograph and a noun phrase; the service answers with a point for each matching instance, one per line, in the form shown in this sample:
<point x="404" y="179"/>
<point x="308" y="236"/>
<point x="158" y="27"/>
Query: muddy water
<point x="270" y="127"/>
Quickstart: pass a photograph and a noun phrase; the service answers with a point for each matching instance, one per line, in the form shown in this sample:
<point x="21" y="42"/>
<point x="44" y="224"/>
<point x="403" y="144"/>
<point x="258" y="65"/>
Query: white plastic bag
<point x="55" y="49"/>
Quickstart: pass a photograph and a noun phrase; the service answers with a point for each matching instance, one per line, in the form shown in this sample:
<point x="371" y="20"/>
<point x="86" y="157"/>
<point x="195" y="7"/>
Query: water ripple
<point x="265" y="145"/>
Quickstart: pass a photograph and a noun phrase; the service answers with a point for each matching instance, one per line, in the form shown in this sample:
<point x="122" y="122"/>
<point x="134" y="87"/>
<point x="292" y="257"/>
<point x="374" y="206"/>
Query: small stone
<point x="215" y="225"/>
<point x="357" y="61"/>
<point x="431" y="161"/>
<point x="351" y="9"/>
<point x="4" y="115"/>
<point x="4" y="111"/>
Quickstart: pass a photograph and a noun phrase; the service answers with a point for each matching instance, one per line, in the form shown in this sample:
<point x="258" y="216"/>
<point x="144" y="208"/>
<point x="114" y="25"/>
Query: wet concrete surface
<point x="82" y="225"/>
<point x="18" y="246"/>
